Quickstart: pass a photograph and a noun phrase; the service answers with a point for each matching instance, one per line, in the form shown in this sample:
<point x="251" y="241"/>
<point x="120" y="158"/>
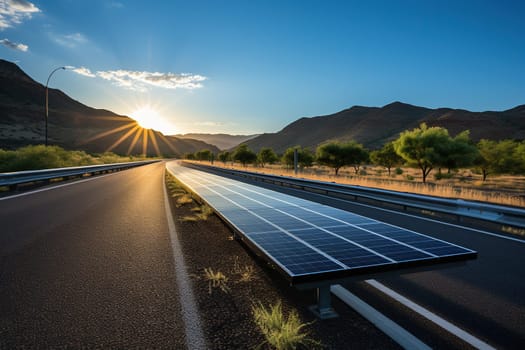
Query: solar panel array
<point x="309" y="241"/>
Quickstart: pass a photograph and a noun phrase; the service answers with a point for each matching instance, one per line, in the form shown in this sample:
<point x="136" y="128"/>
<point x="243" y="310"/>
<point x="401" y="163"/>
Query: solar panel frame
<point x="255" y="229"/>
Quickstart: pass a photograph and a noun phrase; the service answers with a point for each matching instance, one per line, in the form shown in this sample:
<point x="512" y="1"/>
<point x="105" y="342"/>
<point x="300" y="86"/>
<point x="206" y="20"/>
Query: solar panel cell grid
<point x="304" y="238"/>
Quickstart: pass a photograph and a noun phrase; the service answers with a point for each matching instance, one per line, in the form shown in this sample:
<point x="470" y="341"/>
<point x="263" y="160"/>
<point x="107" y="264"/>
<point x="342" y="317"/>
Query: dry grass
<point x="216" y="280"/>
<point x="188" y="218"/>
<point x="201" y="213"/>
<point x="464" y="184"/>
<point x="184" y="199"/>
<point x="282" y="332"/>
<point x="176" y="190"/>
<point x="246" y="273"/>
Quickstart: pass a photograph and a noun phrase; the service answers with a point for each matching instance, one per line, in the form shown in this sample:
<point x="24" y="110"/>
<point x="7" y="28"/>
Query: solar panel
<point x="308" y="241"/>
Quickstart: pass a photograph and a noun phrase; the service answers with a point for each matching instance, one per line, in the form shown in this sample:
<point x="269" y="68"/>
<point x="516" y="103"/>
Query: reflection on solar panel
<point x="310" y="242"/>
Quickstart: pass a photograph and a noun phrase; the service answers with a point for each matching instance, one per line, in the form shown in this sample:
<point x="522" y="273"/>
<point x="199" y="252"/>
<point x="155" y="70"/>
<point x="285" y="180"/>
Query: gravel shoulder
<point x="226" y="313"/>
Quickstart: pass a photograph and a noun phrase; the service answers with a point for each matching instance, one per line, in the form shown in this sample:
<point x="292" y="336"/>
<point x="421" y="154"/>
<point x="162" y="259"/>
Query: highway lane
<point x="90" y="265"/>
<point x="485" y="297"/>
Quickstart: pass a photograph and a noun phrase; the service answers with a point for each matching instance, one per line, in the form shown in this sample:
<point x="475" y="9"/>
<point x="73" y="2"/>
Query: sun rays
<point x="138" y="138"/>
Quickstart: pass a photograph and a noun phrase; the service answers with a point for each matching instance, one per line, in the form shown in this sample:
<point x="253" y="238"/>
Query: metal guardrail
<point x="14" y="179"/>
<point x="504" y="218"/>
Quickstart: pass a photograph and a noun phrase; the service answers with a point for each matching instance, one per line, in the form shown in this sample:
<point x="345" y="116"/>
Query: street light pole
<point x="47" y="97"/>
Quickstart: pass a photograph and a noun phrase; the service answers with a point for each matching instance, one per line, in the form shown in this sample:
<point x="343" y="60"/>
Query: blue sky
<point x="245" y="67"/>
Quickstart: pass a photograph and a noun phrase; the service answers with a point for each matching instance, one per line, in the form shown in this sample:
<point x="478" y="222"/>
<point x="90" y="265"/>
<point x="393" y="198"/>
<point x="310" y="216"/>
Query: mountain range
<point x="73" y="125"/>
<point x="374" y="126"/>
<point x="223" y="141"/>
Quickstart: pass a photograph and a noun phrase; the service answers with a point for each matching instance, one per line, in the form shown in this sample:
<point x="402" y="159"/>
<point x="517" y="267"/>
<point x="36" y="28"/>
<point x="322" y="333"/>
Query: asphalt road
<point x="90" y="265"/>
<point x="485" y="297"/>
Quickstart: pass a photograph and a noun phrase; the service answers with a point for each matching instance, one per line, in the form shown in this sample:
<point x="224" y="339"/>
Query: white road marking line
<point x="54" y="187"/>
<point x="386" y="325"/>
<point x="458" y="332"/>
<point x="190" y="316"/>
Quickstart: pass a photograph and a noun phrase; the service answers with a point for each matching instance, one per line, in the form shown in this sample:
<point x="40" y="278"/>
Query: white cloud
<point x="83" y="71"/>
<point x="141" y="81"/>
<point x="15" y="11"/>
<point x="70" y="40"/>
<point x="15" y="46"/>
<point x="135" y="80"/>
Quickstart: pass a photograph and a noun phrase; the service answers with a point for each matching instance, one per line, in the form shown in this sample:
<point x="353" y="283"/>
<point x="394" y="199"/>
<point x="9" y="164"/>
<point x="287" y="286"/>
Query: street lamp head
<point x="47" y="84"/>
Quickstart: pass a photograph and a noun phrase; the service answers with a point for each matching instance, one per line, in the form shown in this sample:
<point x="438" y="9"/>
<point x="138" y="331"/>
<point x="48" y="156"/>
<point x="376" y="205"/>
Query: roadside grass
<point x="175" y="189"/>
<point x="281" y="332"/>
<point x="216" y="280"/>
<point x="189" y="218"/>
<point x="246" y="273"/>
<point x="462" y="184"/>
<point x="36" y="157"/>
<point x="202" y="213"/>
<point x="184" y="199"/>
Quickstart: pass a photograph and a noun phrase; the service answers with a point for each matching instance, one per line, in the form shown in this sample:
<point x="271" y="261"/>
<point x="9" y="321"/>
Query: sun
<point x="148" y="118"/>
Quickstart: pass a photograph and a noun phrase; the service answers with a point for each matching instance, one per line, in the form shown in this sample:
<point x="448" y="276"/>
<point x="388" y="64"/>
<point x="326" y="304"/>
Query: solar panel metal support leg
<point x="324" y="309"/>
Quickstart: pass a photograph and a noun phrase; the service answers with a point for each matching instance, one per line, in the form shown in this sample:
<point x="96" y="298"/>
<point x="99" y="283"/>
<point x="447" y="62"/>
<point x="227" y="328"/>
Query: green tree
<point x="459" y="152"/>
<point x="244" y="155"/>
<point x="204" y="154"/>
<point x="423" y="147"/>
<point x="386" y="157"/>
<point x="266" y="156"/>
<point x="331" y="155"/>
<point x="189" y="156"/>
<point x="304" y="155"/>
<point x="36" y="157"/>
<point x="519" y="154"/>
<point x="503" y="157"/>
<point x="337" y="155"/>
<point x="224" y="156"/>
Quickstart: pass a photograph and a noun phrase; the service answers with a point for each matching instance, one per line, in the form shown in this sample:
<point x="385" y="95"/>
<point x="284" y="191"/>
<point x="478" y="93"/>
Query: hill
<point x="73" y="125"/>
<point x="373" y="126"/>
<point x="222" y="141"/>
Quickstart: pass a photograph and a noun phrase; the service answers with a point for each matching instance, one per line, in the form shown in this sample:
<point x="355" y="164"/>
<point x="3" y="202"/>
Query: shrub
<point x="184" y="199"/>
<point x="37" y="157"/>
<point x="441" y="175"/>
<point x="282" y="332"/>
<point x="216" y="280"/>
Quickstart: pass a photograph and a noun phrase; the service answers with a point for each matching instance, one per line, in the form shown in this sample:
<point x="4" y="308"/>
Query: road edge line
<point x="429" y="315"/>
<point x="190" y="315"/>
<point x="386" y="325"/>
